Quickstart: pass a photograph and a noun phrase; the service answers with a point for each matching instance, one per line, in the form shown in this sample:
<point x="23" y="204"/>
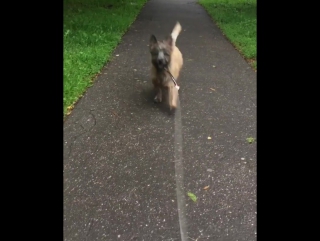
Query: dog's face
<point x="160" y="52"/>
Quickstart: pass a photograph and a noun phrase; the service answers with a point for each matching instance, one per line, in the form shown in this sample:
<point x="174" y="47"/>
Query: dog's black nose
<point x="161" y="61"/>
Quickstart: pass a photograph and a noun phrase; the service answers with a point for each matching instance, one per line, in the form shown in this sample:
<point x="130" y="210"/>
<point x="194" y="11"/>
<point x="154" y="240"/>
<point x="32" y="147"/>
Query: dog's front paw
<point x="172" y="110"/>
<point x="173" y="107"/>
<point x="157" y="99"/>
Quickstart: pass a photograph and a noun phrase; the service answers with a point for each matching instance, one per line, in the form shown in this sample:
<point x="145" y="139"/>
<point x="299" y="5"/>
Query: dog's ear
<point x="153" y="41"/>
<point x="169" y="40"/>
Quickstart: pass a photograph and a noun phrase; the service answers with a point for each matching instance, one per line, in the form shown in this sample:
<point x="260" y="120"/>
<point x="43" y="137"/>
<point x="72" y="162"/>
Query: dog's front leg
<point x="158" y="97"/>
<point x="173" y="97"/>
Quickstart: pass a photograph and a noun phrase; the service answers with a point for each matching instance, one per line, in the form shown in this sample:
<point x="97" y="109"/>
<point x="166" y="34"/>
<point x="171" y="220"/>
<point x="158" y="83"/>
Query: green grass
<point x="91" y="31"/>
<point x="237" y="20"/>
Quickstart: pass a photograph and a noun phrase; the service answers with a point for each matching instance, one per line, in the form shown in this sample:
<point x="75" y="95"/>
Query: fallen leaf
<point x="250" y="140"/>
<point x="114" y="113"/>
<point x="206" y="188"/>
<point x="192" y="196"/>
<point x="212" y="89"/>
<point x="209" y="138"/>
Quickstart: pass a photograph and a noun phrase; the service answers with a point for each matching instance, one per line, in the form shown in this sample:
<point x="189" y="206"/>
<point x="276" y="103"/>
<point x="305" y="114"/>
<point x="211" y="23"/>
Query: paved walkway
<point x="128" y="165"/>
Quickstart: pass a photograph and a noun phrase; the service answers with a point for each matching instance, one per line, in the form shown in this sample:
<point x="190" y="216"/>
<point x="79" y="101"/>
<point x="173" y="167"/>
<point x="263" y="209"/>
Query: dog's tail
<point x="175" y="32"/>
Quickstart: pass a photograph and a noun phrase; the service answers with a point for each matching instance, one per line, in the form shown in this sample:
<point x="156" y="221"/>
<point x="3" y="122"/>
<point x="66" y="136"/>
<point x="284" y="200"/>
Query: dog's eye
<point x="154" y="52"/>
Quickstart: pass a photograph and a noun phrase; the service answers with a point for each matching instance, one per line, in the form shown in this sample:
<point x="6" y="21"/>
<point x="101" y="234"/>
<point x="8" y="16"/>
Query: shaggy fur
<point x="165" y="55"/>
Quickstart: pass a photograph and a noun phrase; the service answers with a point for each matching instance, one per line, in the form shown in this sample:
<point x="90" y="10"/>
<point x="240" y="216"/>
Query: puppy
<point x="167" y="62"/>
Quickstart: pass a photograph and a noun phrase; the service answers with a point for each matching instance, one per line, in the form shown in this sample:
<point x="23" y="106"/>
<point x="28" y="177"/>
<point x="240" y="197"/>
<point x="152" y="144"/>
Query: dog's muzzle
<point x="161" y="63"/>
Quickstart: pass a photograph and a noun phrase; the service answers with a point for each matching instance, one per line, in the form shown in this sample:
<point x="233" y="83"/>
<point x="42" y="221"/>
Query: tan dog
<point x="166" y="61"/>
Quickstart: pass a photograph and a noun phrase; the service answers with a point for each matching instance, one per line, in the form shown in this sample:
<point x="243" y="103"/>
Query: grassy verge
<point x="237" y="19"/>
<point x="92" y="29"/>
